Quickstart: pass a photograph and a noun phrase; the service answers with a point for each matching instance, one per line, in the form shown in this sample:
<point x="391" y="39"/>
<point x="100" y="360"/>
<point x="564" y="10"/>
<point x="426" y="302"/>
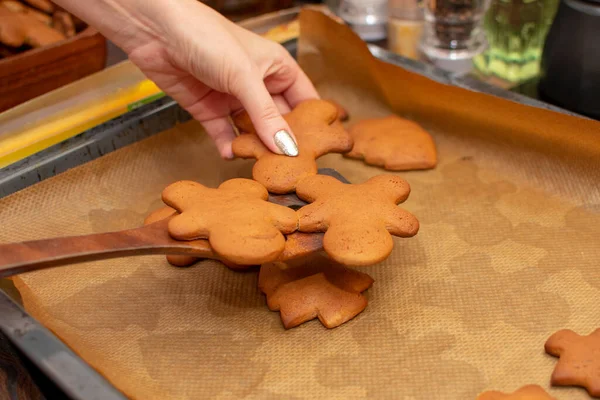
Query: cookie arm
<point x="189" y="225"/>
<point x="283" y="218"/>
<point x="335" y="140"/>
<point x="556" y="344"/>
<point x="400" y="222"/>
<point x="243" y="122"/>
<point x="248" y="145"/>
<point x="313" y="218"/>
<point x="313" y="187"/>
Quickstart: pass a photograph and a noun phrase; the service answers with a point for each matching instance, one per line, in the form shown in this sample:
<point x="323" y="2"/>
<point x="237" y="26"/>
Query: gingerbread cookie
<point x="18" y="7"/>
<point x="358" y="220"/>
<point x="45" y="5"/>
<point x="18" y="29"/>
<point x="63" y="22"/>
<point x="311" y="288"/>
<point x="241" y="226"/>
<point x="529" y="392"/>
<point x="318" y="132"/>
<point x="393" y="143"/>
<point x="579" y="360"/>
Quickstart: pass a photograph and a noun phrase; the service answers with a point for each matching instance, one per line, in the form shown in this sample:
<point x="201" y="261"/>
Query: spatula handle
<point x="17" y="258"/>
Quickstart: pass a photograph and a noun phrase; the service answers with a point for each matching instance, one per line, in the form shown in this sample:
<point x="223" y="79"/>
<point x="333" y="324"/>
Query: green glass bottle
<point x="515" y="31"/>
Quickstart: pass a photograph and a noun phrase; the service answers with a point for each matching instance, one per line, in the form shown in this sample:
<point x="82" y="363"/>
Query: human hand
<point x="209" y="65"/>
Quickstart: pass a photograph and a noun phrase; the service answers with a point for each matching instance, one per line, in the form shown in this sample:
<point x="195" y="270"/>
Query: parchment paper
<point x="508" y="253"/>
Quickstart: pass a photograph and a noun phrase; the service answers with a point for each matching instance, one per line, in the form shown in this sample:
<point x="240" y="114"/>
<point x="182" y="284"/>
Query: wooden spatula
<point x="17" y="258"/>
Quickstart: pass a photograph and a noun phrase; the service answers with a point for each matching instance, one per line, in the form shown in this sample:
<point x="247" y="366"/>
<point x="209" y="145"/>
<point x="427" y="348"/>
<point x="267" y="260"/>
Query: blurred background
<point x="545" y="49"/>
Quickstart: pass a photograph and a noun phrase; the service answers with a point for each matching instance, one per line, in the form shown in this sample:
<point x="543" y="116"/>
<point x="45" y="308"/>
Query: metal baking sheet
<point x="67" y="369"/>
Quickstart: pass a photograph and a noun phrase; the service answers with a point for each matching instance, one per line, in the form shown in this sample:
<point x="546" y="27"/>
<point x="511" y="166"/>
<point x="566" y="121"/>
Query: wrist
<point x="129" y="24"/>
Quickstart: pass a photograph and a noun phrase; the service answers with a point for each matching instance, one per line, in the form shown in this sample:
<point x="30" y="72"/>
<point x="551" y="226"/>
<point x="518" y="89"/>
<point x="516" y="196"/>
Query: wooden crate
<point x="241" y="9"/>
<point x="38" y="71"/>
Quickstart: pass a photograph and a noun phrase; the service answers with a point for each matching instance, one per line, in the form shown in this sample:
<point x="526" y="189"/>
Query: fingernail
<point x="285" y="143"/>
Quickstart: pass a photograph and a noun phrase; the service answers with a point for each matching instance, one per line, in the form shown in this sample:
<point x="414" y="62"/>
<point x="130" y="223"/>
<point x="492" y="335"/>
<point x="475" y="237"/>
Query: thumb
<point x="270" y="126"/>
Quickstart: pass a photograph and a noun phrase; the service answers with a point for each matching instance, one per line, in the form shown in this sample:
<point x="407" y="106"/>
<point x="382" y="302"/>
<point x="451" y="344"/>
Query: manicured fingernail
<point x="286" y="143"/>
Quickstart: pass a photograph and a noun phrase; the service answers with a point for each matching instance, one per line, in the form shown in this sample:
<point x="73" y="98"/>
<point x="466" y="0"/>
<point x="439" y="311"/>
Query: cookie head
<point x="241" y="226"/>
<point x="317" y="131"/>
<point x="393" y="143"/>
<point x="358" y="220"/>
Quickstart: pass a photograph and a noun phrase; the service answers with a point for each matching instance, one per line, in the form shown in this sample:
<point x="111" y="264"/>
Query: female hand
<point x="209" y="65"/>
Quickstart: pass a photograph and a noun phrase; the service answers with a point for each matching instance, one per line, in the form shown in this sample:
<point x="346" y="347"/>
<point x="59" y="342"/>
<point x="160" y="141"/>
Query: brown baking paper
<point x="508" y="253"/>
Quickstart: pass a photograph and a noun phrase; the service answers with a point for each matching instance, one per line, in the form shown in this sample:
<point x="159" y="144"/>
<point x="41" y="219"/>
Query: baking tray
<point x="69" y="372"/>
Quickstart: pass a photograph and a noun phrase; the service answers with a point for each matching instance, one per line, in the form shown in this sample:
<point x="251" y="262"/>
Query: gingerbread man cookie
<point x="314" y="288"/>
<point x="393" y="143"/>
<point x="239" y="223"/>
<point x="579" y="360"/>
<point x="297" y="244"/>
<point x="528" y="392"/>
<point x="318" y="132"/>
<point x="358" y="220"/>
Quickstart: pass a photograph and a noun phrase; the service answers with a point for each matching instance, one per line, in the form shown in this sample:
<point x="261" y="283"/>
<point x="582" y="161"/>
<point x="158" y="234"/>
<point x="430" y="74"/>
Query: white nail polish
<point x="285" y="143"/>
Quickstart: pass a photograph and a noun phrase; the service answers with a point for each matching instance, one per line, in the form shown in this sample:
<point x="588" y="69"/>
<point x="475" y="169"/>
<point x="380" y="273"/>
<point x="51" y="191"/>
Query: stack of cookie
<point x="244" y="229"/>
<point x="32" y="23"/>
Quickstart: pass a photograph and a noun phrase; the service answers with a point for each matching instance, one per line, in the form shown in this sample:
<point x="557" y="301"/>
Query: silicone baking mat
<point x="508" y="253"/>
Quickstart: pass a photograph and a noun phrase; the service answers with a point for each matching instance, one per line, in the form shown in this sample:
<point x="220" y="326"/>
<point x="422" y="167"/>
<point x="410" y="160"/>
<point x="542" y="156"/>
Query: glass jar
<point x="405" y="27"/>
<point x="516" y="31"/>
<point x="368" y="18"/>
<point x="453" y="29"/>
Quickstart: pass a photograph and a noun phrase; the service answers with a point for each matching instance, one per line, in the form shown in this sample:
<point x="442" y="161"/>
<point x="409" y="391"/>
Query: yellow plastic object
<point x="62" y="114"/>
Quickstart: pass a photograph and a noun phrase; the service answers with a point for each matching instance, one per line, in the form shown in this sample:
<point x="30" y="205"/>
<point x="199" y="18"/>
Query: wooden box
<point x="38" y="71"/>
<point x="241" y="9"/>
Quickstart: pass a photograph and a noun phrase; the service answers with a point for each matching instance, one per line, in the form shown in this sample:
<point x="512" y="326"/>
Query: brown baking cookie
<point x="318" y="132"/>
<point x="239" y="222"/>
<point x="18" y="29"/>
<point x="18" y="7"/>
<point x="358" y="220"/>
<point x="393" y="143"/>
<point x="313" y="288"/>
<point x="528" y="392"/>
<point x="579" y="360"/>
<point x="45" y="5"/>
<point x="63" y="22"/>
